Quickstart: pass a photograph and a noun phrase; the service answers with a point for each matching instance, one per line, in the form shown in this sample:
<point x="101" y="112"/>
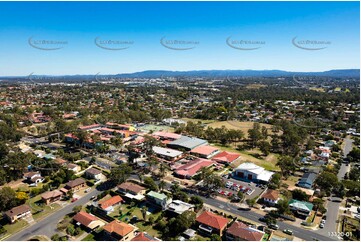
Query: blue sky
<point x="206" y="24"/>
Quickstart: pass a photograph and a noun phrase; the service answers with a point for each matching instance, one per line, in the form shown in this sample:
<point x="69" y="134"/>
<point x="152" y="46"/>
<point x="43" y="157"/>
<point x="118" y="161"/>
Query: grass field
<point x="269" y="162"/>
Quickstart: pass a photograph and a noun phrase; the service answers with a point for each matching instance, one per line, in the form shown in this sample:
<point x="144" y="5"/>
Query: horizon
<point x="131" y="73"/>
<point x="78" y="38"/>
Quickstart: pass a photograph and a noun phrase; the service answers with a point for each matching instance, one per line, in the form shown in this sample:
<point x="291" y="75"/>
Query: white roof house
<point x="179" y="207"/>
<point x="166" y="152"/>
<point x="250" y="171"/>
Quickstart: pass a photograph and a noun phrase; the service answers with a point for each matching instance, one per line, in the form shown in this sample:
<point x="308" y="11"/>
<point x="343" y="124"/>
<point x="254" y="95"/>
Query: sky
<point x="66" y="38"/>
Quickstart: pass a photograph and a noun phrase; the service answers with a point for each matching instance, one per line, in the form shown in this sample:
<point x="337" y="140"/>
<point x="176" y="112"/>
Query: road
<point x="333" y="207"/>
<point x="298" y="231"/>
<point x="47" y="226"/>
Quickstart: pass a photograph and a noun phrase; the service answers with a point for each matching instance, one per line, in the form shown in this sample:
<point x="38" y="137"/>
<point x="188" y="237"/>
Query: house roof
<point x="192" y="167"/>
<point x="179" y="206"/>
<point x="300" y="205"/>
<point x="31" y="174"/>
<point x="307" y="179"/>
<point x="166" y="151"/>
<point x="51" y="194"/>
<point x="131" y="187"/>
<point x="212" y="220"/>
<point x="261" y="173"/>
<point x="187" y="142"/>
<point x="17" y="210"/>
<point x="110" y="202"/>
<point x="75" y="182"/>
<point x="226" y="156"/>
<point x="204" y="150"/>
<point x="271" y="194"/>
<point x="93" y="171"/>
<point x="241" y="230"/>
<point x="84" y="218"/>
<point x="118" y="227"/>
<point x="160" y="196"/>
<point x="142" y="236"/>
<point x="167" y="135"/>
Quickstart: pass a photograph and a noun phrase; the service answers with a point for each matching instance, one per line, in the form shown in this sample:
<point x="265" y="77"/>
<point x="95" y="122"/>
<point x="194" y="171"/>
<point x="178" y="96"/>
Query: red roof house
<point x="211" y="223"/>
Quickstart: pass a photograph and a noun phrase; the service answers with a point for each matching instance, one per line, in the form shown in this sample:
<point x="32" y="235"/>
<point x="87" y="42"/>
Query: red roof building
<point x="191" y="168"/>
<point x="212" y="223"/>
<point x="240" y="231"/>
<point x="205" y="151"/>
<point x="226" y="157"/>
<point x="108" y="204"/>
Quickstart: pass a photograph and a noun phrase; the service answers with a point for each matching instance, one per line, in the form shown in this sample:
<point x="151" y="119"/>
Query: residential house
<point x="93" y="173"/>
<point x="192" y="167"/>
<point x="251" y="172"/>
<point x="144" y="236"/>
<point x="210" y="223"/>
<point x="239" y="231"/>
<point x="75" y="185"/>
<point x="177" y="207"/>
<point x="166" y="153"/>
<point x="18" y="212"/>
<point x="300" y="208"/>
<point x="87" y="220"/>
<point x="51" y="196"/>
<point x="118" y="230"/>
<point x="73" y="167"/>
<point x="33" y="178"/>
<point x="131" y="190"/>
<point x="271" y="197"/>
<point x="158" y="199"/>
<point x="108" y="204"/>
<point x="226" y="157"/>
<point x="307" y="180"/>
<point x="205" y="151"/>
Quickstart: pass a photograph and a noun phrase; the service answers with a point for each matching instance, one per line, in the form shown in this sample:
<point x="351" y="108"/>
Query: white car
<point x="323" y="221"/>
<point x="322" y="226"/>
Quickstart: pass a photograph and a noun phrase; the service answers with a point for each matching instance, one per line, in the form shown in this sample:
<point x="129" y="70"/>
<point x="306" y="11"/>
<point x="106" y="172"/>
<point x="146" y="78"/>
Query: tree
<point x="251" y="202"/>
<point x="215" y="237"/>
<point x="22" y="197"/>
<point x="144" y="211"/>
<point x="7" y="198"/>
<point x="150" y="183"/>
<point x="241" y="196"/>
<point x="326" y="181"/>
<point x="77" y="209"/>
<point x="120" y="174"/>
<point x="162" y="185"/>
<point x="55" y="237"/>
<point x="275" y="181"/>
<point x="254" y="134"/>
<point x="197" y="201"/>
<point x="283" y="207"/>
<point x="70" y="229"/>
<point x="265" y="147"/>
<point x="299" y="195"/>
<point x="287" y="165"/>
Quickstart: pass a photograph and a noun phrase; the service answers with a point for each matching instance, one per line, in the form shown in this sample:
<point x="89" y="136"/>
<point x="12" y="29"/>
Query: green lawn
<point x="47" y="209"/>
<point x="89" y="237"/>
<point x="15" y="227"/>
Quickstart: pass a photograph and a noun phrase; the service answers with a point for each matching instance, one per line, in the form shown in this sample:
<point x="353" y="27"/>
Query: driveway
<point x="47" y="226"/>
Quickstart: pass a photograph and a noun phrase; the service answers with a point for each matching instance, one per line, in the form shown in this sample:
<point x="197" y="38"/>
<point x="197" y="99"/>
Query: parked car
<point x="323" y="221"/>
<point x="273" y="226"/>
<point x="322" y="226"/>
<point x="288" y="231"/>
<point x="87" y="190"/>
<point x="92" y="197"/>
<point x="262" y="219"/>
<point x="74" y="199"/>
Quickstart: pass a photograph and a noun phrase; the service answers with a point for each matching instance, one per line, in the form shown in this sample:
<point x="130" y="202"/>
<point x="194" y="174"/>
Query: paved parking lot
<point x="250" y="189"/>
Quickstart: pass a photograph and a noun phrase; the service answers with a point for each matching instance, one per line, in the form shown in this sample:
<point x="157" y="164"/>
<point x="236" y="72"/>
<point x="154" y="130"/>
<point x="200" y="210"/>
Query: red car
<point x="74" y="199"/>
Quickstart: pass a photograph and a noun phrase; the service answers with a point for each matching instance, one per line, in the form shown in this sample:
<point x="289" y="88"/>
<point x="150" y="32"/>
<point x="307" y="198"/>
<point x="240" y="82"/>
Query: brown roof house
<point x="51" y="196"/>
<point x="240" y="231"/>
<point x="75" y="185"/>
<point x="143" y="236"/>
<point x="93" y="173"/>
<point x="271" y="197"/>
<point x="210" y="223"/>
<point x="108" y="204"/>
<point x="33" y="178"/>
<point x="73" y="167"/>
<point x="18" y="212"/>
<point x="118" y="230"/>
<point x="132" y="191"/>
<point x="87" y="220"/>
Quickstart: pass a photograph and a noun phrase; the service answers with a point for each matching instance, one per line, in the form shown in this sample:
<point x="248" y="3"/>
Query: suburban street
<point x="47" y="226"/>
<point x="334" y="206"/>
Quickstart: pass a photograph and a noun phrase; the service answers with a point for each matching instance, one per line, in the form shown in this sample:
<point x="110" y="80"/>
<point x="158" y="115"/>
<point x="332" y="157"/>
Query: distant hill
<point x="342" y="73"/>
<point x="355" y="73"/>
